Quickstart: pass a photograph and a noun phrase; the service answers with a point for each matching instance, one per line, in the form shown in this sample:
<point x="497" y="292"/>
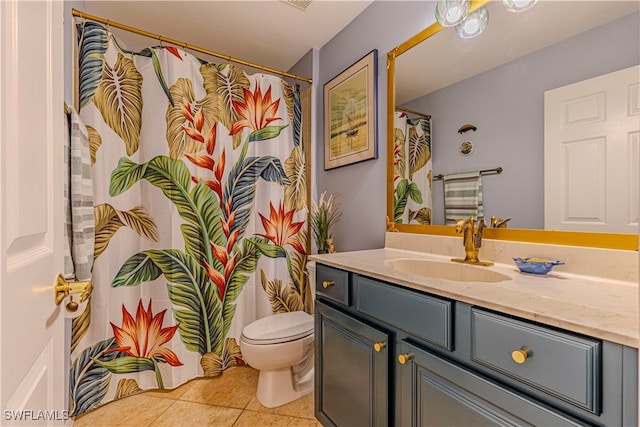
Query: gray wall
<point x="507" y="106"/>
<point x="362" y="186"/>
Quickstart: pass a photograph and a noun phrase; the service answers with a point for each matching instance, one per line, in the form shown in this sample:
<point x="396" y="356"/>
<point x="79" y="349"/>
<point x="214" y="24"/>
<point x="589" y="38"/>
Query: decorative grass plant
<point x="324" y="214"/>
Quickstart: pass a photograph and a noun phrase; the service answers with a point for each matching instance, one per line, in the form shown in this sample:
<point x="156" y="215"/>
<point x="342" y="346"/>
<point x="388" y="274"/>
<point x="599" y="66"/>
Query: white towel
<point x="462" y="196"/>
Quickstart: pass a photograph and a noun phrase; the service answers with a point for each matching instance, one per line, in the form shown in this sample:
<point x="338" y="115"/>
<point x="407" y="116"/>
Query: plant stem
<point x="156" y="369"/>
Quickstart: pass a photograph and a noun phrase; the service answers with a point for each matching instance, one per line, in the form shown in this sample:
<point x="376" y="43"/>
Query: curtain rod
<point x="418" y="113"/>
<point x="109" y="23"/>
<point x="497" y="170"/>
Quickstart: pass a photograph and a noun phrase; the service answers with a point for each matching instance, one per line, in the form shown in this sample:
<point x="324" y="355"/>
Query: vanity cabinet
<point x="352" y="358"/>
<point x="392" y="355"/>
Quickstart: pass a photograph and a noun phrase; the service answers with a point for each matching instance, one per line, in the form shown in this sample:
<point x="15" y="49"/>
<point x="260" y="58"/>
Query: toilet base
<point x="275" y="388"/>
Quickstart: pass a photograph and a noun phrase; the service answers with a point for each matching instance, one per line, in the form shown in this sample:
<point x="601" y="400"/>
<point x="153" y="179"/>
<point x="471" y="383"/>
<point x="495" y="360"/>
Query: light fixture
<point x="455" y="13"/>
<point x="450" y="13"/>
<point x="474" y="24"/>
<point x="518" y="5"/>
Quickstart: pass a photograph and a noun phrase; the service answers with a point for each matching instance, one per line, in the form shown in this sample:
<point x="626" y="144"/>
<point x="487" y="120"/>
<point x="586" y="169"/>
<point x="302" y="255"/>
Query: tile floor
<point x="228" y="400"/>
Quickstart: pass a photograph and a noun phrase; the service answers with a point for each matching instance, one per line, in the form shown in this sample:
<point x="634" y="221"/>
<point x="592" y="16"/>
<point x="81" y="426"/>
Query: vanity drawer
<point x="332" y="283"/>
<point x="423" y="316"/>
<point x="561" y="364"/>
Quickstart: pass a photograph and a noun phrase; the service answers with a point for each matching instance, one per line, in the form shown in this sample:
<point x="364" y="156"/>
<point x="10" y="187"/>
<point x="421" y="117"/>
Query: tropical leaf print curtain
<point x="200" y="206"/>
<point x="412" y="169"/>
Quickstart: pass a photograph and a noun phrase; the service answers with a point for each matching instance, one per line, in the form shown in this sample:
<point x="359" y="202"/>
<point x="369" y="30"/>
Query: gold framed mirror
<point x="624" y="241"/>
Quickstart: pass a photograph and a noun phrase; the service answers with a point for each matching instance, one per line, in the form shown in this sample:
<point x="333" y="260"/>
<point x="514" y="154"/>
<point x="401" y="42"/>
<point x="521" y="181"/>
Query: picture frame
<point x="350" y="114"/>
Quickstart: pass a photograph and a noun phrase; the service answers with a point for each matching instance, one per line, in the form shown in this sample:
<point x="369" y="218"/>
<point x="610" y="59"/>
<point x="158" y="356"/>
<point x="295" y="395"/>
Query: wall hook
<point x="466" y="128"/>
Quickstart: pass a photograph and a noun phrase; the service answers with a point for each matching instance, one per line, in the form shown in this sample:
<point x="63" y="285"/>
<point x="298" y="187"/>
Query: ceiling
<point x="267" y="32"/>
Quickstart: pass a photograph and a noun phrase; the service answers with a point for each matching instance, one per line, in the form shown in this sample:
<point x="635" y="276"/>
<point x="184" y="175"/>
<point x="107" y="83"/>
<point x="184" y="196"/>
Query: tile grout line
<point x="161" y="413"/>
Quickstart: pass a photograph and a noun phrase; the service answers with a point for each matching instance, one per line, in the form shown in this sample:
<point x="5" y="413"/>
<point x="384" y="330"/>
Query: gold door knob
<point x="519" y="356"/>
<point x="379" y="346"/>
<point x="404" y="358"/>
<point x="64" y="288"/>
<point x="328" y="283"/>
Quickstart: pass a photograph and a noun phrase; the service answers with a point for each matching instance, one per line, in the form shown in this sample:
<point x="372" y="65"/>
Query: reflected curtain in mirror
<point x="413" y="170"/>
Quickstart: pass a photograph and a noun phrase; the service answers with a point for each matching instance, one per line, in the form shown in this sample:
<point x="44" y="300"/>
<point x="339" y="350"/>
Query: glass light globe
<point x="518" y="5"/>
<point x="474" y="24"/>
<point x="451" y="12"/>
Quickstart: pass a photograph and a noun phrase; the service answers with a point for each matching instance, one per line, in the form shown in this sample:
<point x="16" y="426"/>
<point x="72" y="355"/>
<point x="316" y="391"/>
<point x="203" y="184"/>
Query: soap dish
<point x="536" y="265"/>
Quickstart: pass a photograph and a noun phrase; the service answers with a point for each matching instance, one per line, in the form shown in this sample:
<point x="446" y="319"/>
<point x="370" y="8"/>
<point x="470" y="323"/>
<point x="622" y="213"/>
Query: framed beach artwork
<point x="350" y="114"/>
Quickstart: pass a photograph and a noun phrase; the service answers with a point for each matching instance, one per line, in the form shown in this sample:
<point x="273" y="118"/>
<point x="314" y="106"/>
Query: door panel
<point x="31" y="213"/>
<point x="438" y="392"/>
<point x="352" y="381"/>
<point x="591" y="154"/>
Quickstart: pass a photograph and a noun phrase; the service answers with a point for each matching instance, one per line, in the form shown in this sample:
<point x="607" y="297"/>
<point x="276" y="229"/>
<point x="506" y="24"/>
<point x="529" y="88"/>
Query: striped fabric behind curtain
<point x="79" y="231"/>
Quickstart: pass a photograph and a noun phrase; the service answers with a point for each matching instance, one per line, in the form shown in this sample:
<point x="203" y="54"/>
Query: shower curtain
<point x="200" y="210"/>
<point x="412" y="169"/>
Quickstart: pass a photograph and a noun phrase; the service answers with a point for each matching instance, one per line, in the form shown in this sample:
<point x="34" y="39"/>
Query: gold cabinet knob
<point x="519" y="356"/>
<point x="379" y="346"/>
<point x="404" y="358"/>
<point x="328" y="283"/>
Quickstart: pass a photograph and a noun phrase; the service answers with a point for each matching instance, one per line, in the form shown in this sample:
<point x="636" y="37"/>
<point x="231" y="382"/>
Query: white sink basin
<point x="445" y="270"/>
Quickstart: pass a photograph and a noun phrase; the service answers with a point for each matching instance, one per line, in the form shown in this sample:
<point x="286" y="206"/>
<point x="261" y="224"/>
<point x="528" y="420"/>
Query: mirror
<point x="495" y="83"/>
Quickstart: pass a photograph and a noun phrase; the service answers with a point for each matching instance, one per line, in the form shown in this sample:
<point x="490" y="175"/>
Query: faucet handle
<point x="477" y="236"/>
<point x="499" y="222"/>
<point x="460" y="225"/>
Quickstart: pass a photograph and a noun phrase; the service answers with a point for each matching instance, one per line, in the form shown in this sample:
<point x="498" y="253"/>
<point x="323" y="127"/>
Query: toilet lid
<point x="279" y="327"/>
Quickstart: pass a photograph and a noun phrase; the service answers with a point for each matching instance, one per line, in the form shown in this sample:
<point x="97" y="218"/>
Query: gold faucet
<point x="472" y="240"/>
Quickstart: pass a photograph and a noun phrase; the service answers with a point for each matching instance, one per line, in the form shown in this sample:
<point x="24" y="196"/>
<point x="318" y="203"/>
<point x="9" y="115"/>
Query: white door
<point x="32" y="371"/>
<point x="591" y="158"/>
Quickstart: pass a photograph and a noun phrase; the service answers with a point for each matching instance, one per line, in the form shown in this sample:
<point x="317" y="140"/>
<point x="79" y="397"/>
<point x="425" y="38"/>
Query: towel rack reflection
<point x="497" y="170"/>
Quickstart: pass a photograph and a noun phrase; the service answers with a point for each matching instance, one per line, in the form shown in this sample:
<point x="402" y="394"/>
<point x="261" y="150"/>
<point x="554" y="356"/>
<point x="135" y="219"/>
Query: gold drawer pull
<point x="328" y="283"/>
<point x="404" y="358"/>
<point x="520" y="356"/>
<point x="379" y="346"/>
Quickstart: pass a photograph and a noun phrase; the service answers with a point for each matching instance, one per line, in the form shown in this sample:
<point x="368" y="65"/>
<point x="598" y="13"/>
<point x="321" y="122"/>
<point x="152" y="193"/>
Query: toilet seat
<point x="279" y="328"/>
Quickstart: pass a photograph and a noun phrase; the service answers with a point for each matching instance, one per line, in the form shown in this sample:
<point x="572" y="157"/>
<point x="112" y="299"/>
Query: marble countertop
<point x="601" y="308"/>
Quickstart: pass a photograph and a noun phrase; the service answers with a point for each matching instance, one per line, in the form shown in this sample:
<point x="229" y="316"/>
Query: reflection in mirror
<point x="497" y="83"/>
<point x="412" y="172"/>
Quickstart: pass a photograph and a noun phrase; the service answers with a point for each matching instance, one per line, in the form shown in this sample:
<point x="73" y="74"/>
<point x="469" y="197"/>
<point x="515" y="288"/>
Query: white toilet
<point x="280" y="346"/>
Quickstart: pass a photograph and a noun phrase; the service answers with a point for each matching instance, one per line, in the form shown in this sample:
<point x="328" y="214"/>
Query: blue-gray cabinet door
<point x="437" y="392"/>
<point x="352" y="370"/>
